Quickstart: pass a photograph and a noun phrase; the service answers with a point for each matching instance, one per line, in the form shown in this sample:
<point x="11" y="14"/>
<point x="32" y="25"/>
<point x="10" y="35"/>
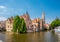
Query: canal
<point x="29" y="37"/>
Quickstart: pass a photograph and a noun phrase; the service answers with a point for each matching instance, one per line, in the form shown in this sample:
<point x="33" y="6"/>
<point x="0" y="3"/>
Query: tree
<point x="19" y="25"/>
<point x="23" y="26"/>
<point x="55" y="23"/>
<point x="16" y="23"/>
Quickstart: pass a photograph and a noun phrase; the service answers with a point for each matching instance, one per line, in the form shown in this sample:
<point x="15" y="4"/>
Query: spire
<point x="43" y="17"/>
<point x="42" y="14"/>
<point x="26" y="12"/>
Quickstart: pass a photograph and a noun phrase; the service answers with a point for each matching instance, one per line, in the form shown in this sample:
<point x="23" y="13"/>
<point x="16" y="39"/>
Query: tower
<point x="43" y="17"/>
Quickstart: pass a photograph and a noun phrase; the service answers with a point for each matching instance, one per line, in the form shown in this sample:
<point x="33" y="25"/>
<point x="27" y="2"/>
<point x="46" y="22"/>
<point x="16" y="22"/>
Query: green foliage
<point x="16" y="23"/>
<point x="23" y="26"/>
<point x="55" y="23"/>
<point x="19" y="25"/>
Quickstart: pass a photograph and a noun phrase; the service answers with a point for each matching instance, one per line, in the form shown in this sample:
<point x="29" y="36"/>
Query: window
<point x="8" y="26"/>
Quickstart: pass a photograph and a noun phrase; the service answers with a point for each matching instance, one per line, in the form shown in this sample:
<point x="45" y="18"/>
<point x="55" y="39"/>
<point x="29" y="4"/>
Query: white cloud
<point x="4" y="10"/>
<point x="3" y="18"/>
<point x="8" y="12"/>
<point x="2" y="7"/>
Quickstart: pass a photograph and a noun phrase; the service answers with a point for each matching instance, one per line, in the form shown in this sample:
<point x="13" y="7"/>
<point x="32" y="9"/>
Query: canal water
<point x="29" y="37"/>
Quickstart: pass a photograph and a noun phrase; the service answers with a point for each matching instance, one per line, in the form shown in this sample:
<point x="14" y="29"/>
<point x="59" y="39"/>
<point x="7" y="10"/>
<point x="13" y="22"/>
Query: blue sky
<point x="35" y="8"/>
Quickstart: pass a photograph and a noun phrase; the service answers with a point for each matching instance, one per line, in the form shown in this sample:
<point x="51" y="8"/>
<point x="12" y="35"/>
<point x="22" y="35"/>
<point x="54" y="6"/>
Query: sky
<point x="35" y="8"/>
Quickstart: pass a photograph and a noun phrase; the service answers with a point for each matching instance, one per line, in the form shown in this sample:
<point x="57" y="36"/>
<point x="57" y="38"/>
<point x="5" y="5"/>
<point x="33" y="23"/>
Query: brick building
<point x="34" y="25"/>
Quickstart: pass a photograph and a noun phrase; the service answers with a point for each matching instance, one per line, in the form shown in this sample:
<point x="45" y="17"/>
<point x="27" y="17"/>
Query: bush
<point x="55" y="23"/>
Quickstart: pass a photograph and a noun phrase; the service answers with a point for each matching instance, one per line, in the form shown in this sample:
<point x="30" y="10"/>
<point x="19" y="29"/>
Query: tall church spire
<point x="43" y="17"/>
<point x="26" y="12"/>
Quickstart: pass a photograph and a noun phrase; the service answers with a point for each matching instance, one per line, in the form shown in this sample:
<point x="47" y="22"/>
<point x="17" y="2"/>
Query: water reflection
<point x="50" y="37"/>
<point x="30" y="37"/>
